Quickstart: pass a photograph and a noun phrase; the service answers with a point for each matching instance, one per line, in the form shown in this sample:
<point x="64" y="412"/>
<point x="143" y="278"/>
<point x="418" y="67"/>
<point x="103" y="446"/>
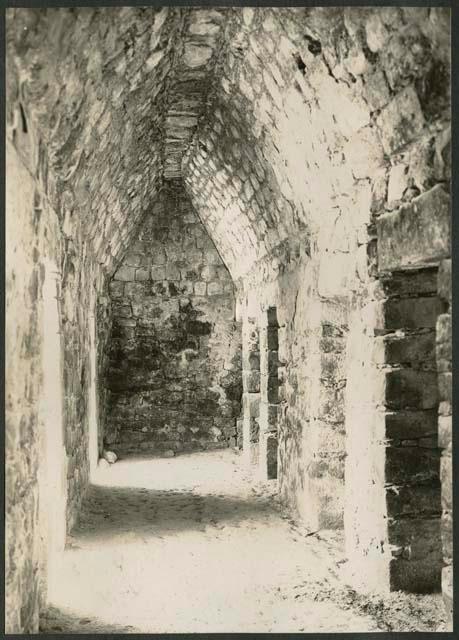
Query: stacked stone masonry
<point x="174" y="373"/>
<point x="314" y="145"/>
<point x="251" y="390"/>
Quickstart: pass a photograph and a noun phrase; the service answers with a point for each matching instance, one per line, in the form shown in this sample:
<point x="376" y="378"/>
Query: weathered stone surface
<point x="444" y="280"/>
<point x="411" y="464"/>
<point x="414" y="349"/>
<point x="409" y="313"/>
<point x="416" y="234"/>
<point x="401" y="120"/>
<point x="406" y="425"/>
<point x="447" y="590"/>
<point x="292" y="150"/>
<point x="411" y="501"/>
<point x="175" y="379"/>
<point x="409" y="389"/>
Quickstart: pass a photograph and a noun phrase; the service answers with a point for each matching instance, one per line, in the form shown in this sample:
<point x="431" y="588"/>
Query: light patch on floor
<point x="189" y="544"/>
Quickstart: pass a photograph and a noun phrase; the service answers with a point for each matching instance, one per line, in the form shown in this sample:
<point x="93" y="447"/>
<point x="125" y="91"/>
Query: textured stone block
<point x="411" y="313"/>
<point x="445" y="431"/>
<point x="445" y="387"/>
<point x="416" y="576"/>
<point x="116" y="289"/>
<point x="273" y="363"/>
<point x="401" y="121"/>
<point x="411" y="465"/>
<point x="271" y="456"/>
<point x="409" y="283"/>
<point x="414" y="501"/>
<point x="415" y="349"/>
<point x="405" y="425"/>
<point x="125" y="274"/>
<point x="272" y="389"/>
<point x="419" y="539"/>
<point x="447" y="536"/>
<point x="444" y="280"/>
<point x="447" y="592"/>
<point x="271" y="316"/>
<point x="142" y="274"/>
<point x="417" y="234"/>
<point x="251" y="381"/>
<point x="251" y="361"/>
<point x="446" y="476"/>
<point x="273" y="338"/>
<point x="444" y="328"/>
<point x="410" y="389"/>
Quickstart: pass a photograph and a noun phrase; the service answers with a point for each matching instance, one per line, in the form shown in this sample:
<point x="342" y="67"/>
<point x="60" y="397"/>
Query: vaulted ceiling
<point x="110" y="99"/>
<point x="280" y="122"/>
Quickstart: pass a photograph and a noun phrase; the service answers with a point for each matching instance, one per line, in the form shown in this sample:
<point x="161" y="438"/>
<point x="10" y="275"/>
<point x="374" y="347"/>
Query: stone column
<point x="444" y="367"/>
<point x="324" y="438"/>
<point x="392" y="471"/>
<point x="269" y="398"/>
<point x="251" y="390"/>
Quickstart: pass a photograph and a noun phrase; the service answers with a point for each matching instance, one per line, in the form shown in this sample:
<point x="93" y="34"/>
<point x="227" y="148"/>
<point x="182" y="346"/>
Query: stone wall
<point x="174" y="374"/>
<point x="36" y="247"/>
<point x="444" y="368"/>
<point x="364" y="94"/>
<point x="320" y="169"/>
<point x="31" y="223"/>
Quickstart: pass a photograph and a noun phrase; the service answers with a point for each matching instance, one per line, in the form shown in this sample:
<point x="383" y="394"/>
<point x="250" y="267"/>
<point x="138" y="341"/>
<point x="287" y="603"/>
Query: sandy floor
<point x="189" y="544"/>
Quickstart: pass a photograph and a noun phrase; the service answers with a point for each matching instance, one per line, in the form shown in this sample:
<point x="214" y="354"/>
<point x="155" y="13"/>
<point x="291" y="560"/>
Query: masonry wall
<point x="365" y="95"/>
<point x="325" y="230"/>
<point x="35" y="249"/>
<point x="29" y="218"/>
<point x="174" y="373"/>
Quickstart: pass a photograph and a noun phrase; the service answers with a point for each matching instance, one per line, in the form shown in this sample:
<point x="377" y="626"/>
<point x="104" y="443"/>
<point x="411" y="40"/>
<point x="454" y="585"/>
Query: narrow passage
<point x="190" y="544"/>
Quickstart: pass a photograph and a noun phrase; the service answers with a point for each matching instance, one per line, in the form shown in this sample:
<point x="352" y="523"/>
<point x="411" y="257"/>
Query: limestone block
<point x="444" y="280"/>
<point x="409" y="501"/>
<point x="411" y="389"/>
<point x="272" y="384"/>
<point x="116" y="288"/>
<point x="401" y="121"/>
<point x="445" y="387"/>
<point x="447" y="536"/>
<point x="141" y="275"/>
<point x="251" y="361"/>
<point x="125" y="274"/>
<point x="214" y="289"/>
<point x="133" y="260"/>
<point x="409" y="283"/>
<point x="418" y="348"/>
<point x="415" y="576"/>
<point x="412" y="465"/>
<point x="447" y="591"/>
<point x="444" y="431"/>
<point x="398" y="183"/>
<point x="405" y="56"/>
<point x="417" y="234"/>
<point x="446" y="482"/>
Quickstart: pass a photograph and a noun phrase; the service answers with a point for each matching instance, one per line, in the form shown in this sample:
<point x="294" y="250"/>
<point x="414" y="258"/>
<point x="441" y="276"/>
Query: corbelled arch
<point x="306" y="139"/>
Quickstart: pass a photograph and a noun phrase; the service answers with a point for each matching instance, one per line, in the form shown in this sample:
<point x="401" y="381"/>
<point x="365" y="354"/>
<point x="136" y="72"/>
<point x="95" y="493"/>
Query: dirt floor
<point x="190" y="544"/>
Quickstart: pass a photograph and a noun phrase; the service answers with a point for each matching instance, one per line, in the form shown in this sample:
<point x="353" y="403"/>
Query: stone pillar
<point x="269" y="397"/>
<point x="392" y="470"/>
<point x="251" y="390"/>
<point x="324" y="438"/>
<point x="444" y="367"/>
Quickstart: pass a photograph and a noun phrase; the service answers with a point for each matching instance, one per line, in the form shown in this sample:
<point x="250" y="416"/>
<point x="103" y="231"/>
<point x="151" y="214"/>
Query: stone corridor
<point x="228" y="282"/>
<point x="196" y="530"/>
